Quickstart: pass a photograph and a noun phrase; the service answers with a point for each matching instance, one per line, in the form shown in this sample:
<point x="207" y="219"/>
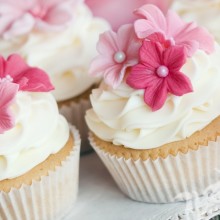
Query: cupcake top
<point x="58" y="36"/>
<point x="30" y="125"/>
<point x="204" y="12"/>
<point x="161" y="81"/>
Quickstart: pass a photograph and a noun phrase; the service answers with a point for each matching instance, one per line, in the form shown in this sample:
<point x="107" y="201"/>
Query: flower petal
<point x="174" y="58"/>
<point x="157" y="37"/>
<point x="154" y="15"/>
<point x="107" y="44"/>
<point x="20" y="26"/>
<point x="125" y="36"/>
<point x="140" y="77"/>
<point x="7" y="93"/>
<point x="99" y="65"/>
<point x="179" y="84"/>
<point x="190" y="32"/>
<point x="6" y="120"/>
<point x="114" y="76"/>
<point x="174" y="23"/>
<point x="14" y="66"/>
<point x="143" y="28"/>
<point x="59" y="14"/>
<point x="156" y="95"/>
<point x="151" y="55"/>
<point x="128" y="43"/>
<point x="35" y="80"/>
<point x="2" y="67"/>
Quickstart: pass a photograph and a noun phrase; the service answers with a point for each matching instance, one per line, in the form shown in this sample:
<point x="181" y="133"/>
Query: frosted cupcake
<point x="39" y="151"/>
<point x="155" y="119"/>
<point x="60" y="37"/>
<point x="204" y="12"/>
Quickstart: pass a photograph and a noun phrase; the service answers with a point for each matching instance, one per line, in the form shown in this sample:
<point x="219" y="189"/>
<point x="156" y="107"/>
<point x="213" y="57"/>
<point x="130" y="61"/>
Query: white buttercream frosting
<point x="121" y="116"/>
<point x="65" y="55"/>
<point x="39" y="132"/>
<point x="204" y="12"/>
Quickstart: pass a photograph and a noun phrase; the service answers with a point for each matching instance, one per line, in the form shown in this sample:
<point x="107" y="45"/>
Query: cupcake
<point x="204" y="12"/>
<point x="39" y="151"/>
<point x="154" y="120"/>
<point x="60" y="37"/>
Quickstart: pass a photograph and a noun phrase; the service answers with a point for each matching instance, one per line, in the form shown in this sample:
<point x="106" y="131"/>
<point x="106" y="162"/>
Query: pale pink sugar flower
<point x="18" y="17"/>
<point x="117" y="52"/>
<point x="172" y="30"/>
<point x="8" y="92"/>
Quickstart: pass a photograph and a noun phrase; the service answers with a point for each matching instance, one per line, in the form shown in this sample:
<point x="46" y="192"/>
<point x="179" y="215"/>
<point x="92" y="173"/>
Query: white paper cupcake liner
<point x="75" y="114"/>
<point x="176" y="178"/>
<point x="48" y="199"/>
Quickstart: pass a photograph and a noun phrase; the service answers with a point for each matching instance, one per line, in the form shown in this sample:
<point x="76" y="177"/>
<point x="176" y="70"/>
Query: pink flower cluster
<point x="152" y="52"/>
<point x="16" y="75"/>
<point x="19" y="17"/>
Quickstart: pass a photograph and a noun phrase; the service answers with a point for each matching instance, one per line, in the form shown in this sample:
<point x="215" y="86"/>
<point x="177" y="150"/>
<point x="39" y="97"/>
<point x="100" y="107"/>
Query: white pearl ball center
<point x="162" y="71"/>
<point x="119" y="57"/>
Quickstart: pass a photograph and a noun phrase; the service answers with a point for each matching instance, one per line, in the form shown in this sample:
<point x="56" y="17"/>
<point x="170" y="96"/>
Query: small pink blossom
<point x="171" y="30"/>
<point x="8" y="92"/>
<point x="32" y="79"/>
<point x="117" y="52"/>
<point x="19" y="17"/>
<point x="158" y="73"/>
<point x="119" y="12"/>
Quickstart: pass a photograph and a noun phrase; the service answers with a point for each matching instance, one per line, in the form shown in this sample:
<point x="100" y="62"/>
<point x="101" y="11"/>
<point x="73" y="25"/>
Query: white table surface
<point x="100" y="199"/>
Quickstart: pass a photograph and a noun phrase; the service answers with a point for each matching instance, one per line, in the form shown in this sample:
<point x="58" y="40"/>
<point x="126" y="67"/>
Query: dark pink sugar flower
<point x="19" y="17"/>
<point x="170" y="29"/>
<point x="158" y="73"/>
<point x="8" y="92"/>
<point x="16" y="75"/>
<point x="117" y="52"/>
<point x="32" y="79"/>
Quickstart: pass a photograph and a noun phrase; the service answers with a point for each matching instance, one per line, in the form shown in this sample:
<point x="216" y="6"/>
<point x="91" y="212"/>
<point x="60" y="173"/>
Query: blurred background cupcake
<point x="60" y="37"/>
<point x="39" y="151"/>
<point x="155" y="119"/>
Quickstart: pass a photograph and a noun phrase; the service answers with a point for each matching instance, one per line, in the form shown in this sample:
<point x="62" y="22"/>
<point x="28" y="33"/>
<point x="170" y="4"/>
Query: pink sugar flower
<point x="158" y="73"/>
<point x="8" y="92"/>
<point x="171" y="30"/>
<point x="117" y="52"/>
<point x="32" y="79"/>
<point x="19" y="17"/>
<point x="16" y="75"/>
